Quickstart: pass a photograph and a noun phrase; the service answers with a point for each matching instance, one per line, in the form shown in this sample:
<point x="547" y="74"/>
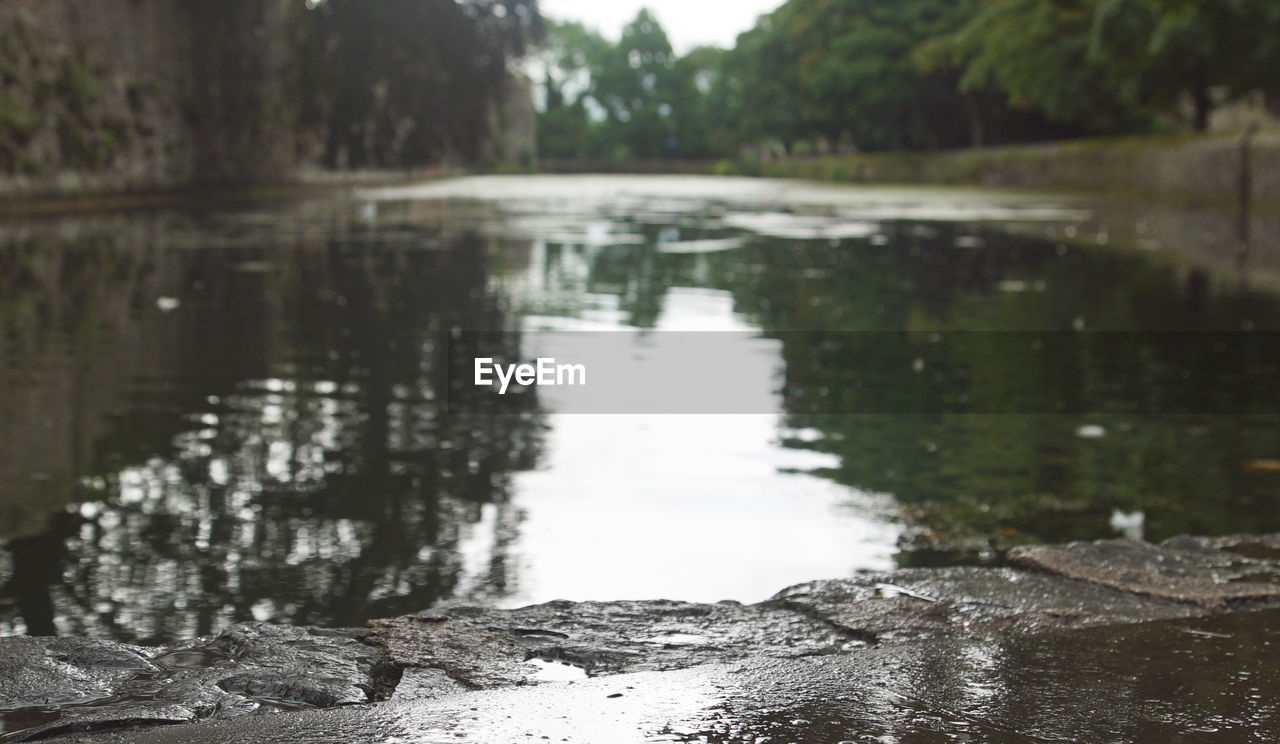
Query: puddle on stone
<point x="280" y="703"/>
<point x="1256" y="550"/>
<point x="678" y="639"/>
<point x="191" y="658"/>
<point x="889" y="591"/>
<point x="1256" y="577"/>
<point x="549" y="670"/>
<point x="14" y="722"/>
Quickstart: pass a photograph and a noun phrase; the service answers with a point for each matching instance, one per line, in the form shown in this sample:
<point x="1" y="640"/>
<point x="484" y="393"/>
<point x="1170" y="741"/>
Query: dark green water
<point x="237" y="413"/>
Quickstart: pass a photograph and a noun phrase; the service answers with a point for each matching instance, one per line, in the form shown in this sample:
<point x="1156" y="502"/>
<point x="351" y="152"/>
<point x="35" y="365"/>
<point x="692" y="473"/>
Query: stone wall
<point x="1205" y="169"/>
<point x="110" y="95"/>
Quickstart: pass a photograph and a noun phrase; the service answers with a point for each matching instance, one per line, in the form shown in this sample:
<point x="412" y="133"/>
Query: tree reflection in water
<point x="274" y="448"/>
<point x="1011" y="470"/>
<point x="854" y="314"/>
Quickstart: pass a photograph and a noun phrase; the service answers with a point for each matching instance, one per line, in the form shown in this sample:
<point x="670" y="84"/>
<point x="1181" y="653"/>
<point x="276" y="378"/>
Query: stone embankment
<point x="1215" y="169"/>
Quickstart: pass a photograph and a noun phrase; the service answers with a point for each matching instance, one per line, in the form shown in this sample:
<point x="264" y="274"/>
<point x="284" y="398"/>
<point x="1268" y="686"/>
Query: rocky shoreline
<point x="56" y="687"/>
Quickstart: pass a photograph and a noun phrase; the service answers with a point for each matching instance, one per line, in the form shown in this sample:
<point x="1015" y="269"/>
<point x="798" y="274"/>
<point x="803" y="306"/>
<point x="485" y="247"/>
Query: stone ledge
<point x="1213" y="573"/>
<point x="57" y="686"/>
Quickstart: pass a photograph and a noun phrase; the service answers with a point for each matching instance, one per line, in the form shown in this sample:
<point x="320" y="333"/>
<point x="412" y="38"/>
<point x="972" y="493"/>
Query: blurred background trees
<point x="869" y="75"/>
<point x="247" y="90"/>
<point x="406" y="82"/>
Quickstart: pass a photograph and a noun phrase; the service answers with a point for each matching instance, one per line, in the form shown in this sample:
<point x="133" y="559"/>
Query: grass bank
<point x="1201" y="169"/>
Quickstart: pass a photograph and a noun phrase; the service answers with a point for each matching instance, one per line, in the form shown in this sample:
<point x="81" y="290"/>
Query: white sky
<point x="688" y="23"/>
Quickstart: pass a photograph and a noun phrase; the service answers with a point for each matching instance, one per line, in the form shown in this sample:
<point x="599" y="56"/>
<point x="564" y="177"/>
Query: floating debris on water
<point x="1091" y="431"/>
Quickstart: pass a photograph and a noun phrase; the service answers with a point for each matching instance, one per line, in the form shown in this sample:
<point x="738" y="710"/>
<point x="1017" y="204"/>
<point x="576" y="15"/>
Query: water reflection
<point x="274" y="449"/>
<point x="239" y="414"/>
<point x="965" y="484"/>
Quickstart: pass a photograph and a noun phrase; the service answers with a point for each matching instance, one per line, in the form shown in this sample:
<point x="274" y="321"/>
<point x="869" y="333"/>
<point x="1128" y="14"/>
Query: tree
<point x="840" y="70"/>
<point x="759" y="87"/>
<point x="633" y="99"/>
<point x="408" y="82"/>
<point x="699" y="129"/>
<point x="1163" y="51"/>
<point x="635" y="85"/>
<point x="566" y="128"/>
<point x="1036" y="53"/>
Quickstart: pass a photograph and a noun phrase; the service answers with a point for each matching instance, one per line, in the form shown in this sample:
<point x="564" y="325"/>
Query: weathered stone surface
<point x="56" y="685"/>
<point x="970" y="602"/>
<point x="417" y="684"/>
<point x="469" y="654"/>
<point x="488" y="648"/>
<point x="1181" y="571"/>
<point x="612" y="637"/>
<point x="1264" y="549"/>
<point x="307" y="666"/>
<point x="115" y="717"/>
<point x="64" y="671"/>
<point x="1210" y="680"/>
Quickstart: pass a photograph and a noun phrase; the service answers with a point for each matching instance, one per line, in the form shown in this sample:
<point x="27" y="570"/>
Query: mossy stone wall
<point x="1204" y="169"/>
<point x="116" y="95"/>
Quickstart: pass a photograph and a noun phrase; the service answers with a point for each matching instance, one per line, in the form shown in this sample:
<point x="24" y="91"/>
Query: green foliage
<point x="822" y="76"/>
<point x="759" y="88"/>
<point x="408" y="82"/>
<point x="77" y="83"/>
<point x="1161" y="51"/>
<point x="698" y="104"/>
<point x="565" y="128"/>
<point x="50" y="108"/>
<point x="632" y="99"/>
<point x="635" y="84"/>
<point x="16" y="120"/>
<point x="89" y="145"/>
<point x="855" y="69"/>
<point x="1111" y="65"/>
<point x="1037" y="53"/>
<point x="566" y="131"/>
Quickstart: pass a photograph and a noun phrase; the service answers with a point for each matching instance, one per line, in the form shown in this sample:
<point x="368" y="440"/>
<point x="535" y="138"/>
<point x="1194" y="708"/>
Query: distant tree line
<point x="907" y="75"/>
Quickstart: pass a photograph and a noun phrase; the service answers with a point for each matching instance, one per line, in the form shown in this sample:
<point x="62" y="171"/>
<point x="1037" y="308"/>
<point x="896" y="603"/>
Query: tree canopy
<point x="407" y="82"/>
<point x="832" y="75"/>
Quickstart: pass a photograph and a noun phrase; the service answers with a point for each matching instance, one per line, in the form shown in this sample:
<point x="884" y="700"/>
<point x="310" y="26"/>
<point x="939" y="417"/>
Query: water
<point x="233" y="413"/>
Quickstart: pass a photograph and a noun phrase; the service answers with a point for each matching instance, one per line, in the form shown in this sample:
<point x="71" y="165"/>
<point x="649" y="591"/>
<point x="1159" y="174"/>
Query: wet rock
<point x="67" y="685"/>
<point x="1179" y="570"/>
<point x="1201" y="680"/>
<point x="56" y="685"/>
<point x="107" y="718"/>
<point x="1206" y="679"/>
<point x="417" y="684"/>
<point x="613" y="637"/>
<point x="302" y="666"/>
<point x="1262" y="552"/>
<point x="62" y="671"/>
<point x="970" y="602"/>
<point x="484" y="648"/>
<point x="470" y="654"/>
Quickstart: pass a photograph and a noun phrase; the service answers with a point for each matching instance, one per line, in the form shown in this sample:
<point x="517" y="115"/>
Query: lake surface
<point x="248" y="411"/>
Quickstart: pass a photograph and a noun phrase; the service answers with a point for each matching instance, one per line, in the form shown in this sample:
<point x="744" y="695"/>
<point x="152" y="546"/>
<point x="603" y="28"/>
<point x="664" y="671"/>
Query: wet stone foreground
<point x="1087" y="642"/>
